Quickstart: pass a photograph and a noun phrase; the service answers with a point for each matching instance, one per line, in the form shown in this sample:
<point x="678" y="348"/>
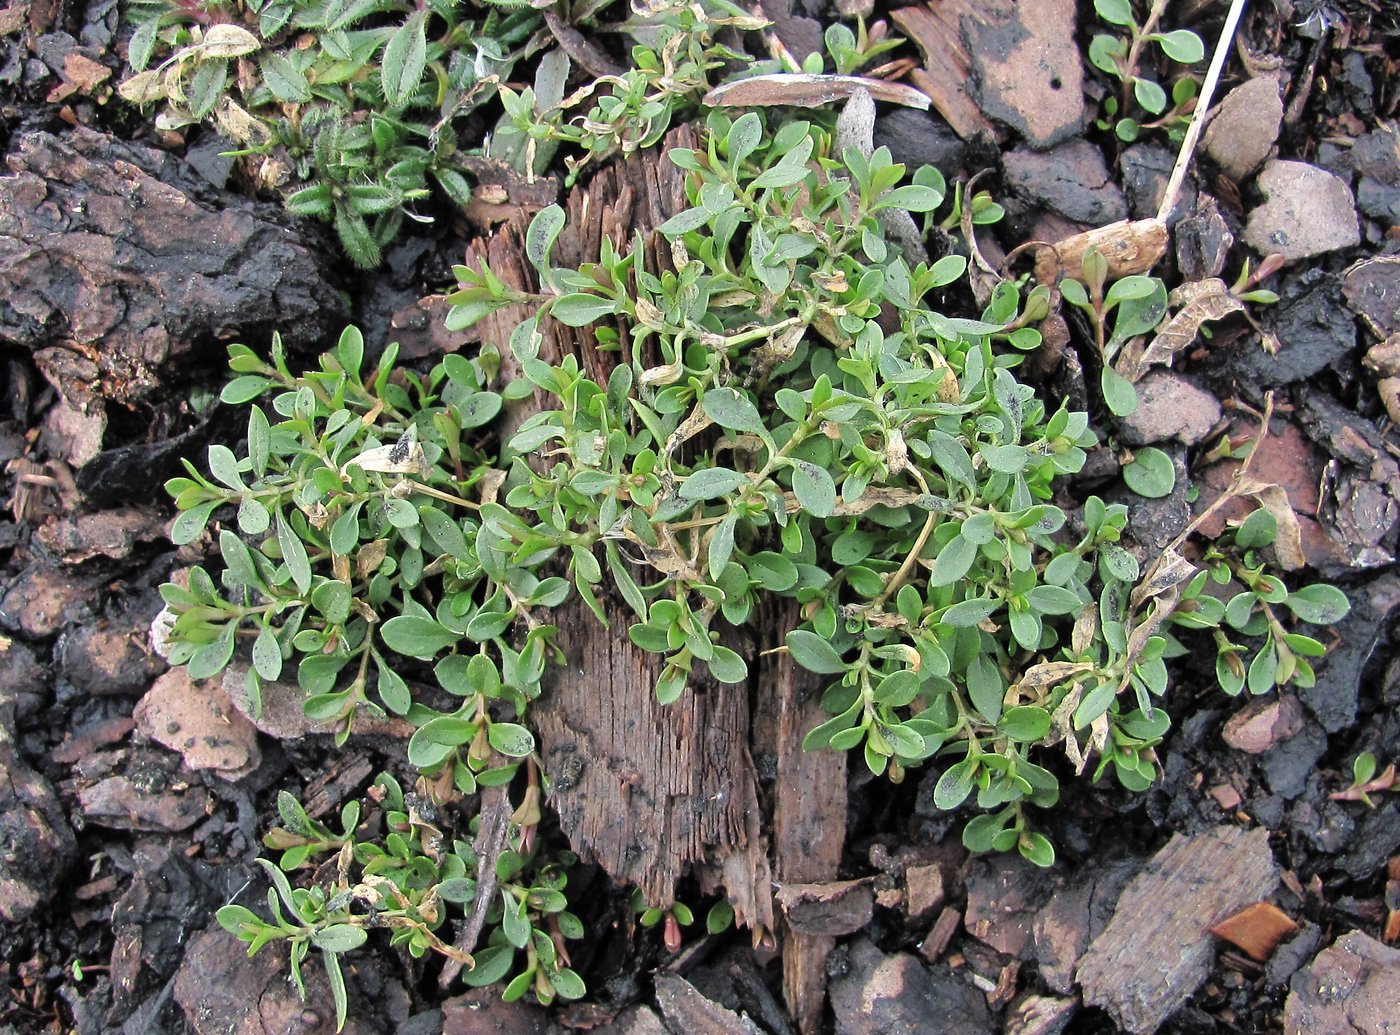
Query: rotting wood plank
<point x="936" y="28"/>
<point x="644" y="789"/>
<point x="809" y="805"/>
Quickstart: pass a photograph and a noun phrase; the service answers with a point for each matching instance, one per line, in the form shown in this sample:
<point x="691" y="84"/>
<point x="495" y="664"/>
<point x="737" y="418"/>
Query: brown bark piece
<point x="1256" y="929"/>
<point x="686" y="1009"/>
<point x="936" y="28"/>
<point x="119" y="260"/>
<point x="1026" y="67"/>
<point x="644" y="789"/>
<point x="835" y="907"/>
<point x="1157" y="949"/>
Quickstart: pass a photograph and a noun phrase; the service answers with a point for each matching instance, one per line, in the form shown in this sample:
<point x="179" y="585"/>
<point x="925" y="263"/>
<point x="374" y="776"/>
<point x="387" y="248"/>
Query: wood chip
<point x="937" y="31"/>
<point x="1256" y="929"/>
<point x="1157" y="949"/>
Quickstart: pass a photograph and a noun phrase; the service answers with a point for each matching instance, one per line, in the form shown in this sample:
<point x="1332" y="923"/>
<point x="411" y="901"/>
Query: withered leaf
<point x="803" y="90"/>
<point x="1199" y="302"/>
<point x="1288" y="545"/>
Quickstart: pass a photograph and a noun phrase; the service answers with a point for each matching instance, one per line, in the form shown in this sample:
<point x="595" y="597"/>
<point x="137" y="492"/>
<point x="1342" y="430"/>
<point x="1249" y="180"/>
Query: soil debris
<point x="1026" y="71"/>
<point x="1352" y="986"/>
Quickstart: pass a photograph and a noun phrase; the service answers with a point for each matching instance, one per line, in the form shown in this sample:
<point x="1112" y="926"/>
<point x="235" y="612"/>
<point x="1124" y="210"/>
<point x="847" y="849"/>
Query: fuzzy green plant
<point x="407" y="881"/>
<point x="787" y="409"/>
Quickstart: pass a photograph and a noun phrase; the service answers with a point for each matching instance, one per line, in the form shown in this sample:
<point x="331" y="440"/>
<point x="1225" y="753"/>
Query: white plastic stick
<point x="1193" y="131"/>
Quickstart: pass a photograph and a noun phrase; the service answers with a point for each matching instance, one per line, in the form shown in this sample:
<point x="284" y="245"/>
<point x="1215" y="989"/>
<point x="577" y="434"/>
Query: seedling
<point x="1122" y="59"/>
<point x="1365" y="782"/>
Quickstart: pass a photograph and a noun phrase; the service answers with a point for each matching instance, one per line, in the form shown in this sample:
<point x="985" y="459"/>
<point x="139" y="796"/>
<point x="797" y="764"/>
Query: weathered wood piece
<point x="936" y="28"/>
<point x="118" y="260"/>
<point x="1158" y="947"/>
<point x="808" y="802"/>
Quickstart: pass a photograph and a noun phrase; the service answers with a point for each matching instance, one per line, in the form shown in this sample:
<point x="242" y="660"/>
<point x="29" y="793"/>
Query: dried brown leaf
<point x="1288" y="546"/>
<point x="1197" y="303"/>
<point x="803" y="90"/>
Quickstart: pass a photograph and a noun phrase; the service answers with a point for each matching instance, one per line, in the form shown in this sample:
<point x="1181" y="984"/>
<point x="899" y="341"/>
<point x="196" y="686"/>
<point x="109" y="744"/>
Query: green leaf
<point x="1150" y="95"/>
<point x="1119" y="394"/>
<point x="711" y="483"/>
<point x="287" y="82"/>
<point x="954" y="785"/>
<point x="405" y="58"/>
<point x="954" y="561"/>
<point x="727" y="666"/>
<point x="1026" y="724"/>
<point x="1037" y="848"/>
<point x="969" y="612"/>
<point x="294" y="555"/>
<point x="986" y="687"/>
<point x="1115" y="12"/>
<point x="814" y="488"/>
<point x="339" y="938"/>
<point x="415" y="636"/>
<point x="1319" y="604"/>
<point x="912" y="198"/>
<point x="580" y="310"/>
<point x="1151" y="473"/>
<point x="814" y="653"/>
<point x="1182" y="46"/>
<point x="733" y="410"/>
<point x="511" y="739"/>
<point x="267" y="655"/>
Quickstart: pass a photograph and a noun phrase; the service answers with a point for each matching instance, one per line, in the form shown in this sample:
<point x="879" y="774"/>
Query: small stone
<point x="1003" y="895"/>
<point x="1371" y="287"/>
<point x="1040" y="1015"/>
<point x="1203" y="241"/>
<point x="1377" y="155"/>
<point x="1384" y="358"/>
<point x="1261" y="724"/>
<point x="1026" y="68"/>
<point x="200" y="723"/>
<point x="1244" y="128"/>
<point x="1308" y="212"/>
<point x="1072" y="179"/>
<point x="1352" y="987"/>
<point x="123" y="804"/>
<point x="1226" y="797"/>
<point x="1170" y="406"/>
<point x="896" y="993"/>
<point x="1146" y="169"/>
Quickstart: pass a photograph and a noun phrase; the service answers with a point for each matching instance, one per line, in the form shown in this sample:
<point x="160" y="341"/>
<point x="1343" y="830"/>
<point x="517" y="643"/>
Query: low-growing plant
<point x="785" y="410"/>
<point x="1365" y="781"/>
<point x="408" y="879"/>
<point x="1122" y="59"/>
<point x="1236" y="560"/>
<point x="349" y="109"/>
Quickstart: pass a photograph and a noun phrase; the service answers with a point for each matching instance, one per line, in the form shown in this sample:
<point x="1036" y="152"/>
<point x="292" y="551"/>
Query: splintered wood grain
<point x="935" y="27"/>
<point x="645" y="790"/>
<point x="808" y="804"/>
<point x="1158" y="947"/>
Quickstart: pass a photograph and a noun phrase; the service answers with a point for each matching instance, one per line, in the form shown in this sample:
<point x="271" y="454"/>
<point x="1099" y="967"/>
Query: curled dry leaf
<point x="1195" y="303"/>
<point x="1288" y="546"/>
<point x="803" y="90"/>
<point x="1130" y="248"/>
